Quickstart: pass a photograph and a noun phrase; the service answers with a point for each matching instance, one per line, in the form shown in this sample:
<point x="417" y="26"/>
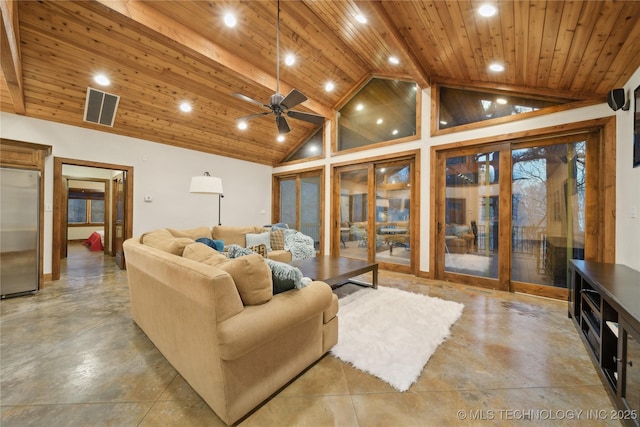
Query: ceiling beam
<point x="10" y="47"/>
<point x="381" y="20"/>
<point x="140" y="12"/>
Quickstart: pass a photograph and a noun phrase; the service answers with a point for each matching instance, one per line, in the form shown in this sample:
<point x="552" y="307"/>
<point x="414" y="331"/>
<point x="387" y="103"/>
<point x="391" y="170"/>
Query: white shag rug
<point x="391" y="334"/>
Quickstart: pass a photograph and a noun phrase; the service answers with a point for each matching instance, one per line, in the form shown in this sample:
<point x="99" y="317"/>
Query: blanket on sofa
<point x="300" y="245"/>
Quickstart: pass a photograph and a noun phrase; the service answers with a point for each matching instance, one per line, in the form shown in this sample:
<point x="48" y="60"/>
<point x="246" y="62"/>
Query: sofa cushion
<point x="233" y="235"/>
<point x="255" y="239"/>
<point x="218" y="245"/>
<point x="285" y="276"/>
<point x="203" y="253"/>
<point x="277" y="239"/>
<point x="193" y="233"/>
<point x="283" y="256"/>
<point x="163" y="239"/>
<point x="250" y="273"/>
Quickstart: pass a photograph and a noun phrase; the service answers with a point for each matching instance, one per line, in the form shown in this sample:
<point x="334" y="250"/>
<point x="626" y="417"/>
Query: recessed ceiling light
<point x="185" y="107"/>
<point x="497" y="67"/>
<point x="501" y="101"/>
<point x="280" y="138"/>
<point x="313" y="148"/>
<point x="487" y="10"/>
<point x="102" y="80"/>
<point x="290" y="59"/>
<point x="394" y="60"/>
<point x="379" y="121"/>
<point x="329" y="86"/>
<point x="242" y="125"/>
<point x="394" y="132"/>
<point x="361" y="18"/>
<point x="359" y="107"/>
<point x="444" y="122"/>
<point x="230" y="20"/>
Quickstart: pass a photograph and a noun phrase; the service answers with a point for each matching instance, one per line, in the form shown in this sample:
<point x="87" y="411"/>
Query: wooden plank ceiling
<point x="160" y="53"/>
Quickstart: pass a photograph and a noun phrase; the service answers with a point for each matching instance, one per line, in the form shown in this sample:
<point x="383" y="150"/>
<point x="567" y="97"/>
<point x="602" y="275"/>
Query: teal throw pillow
<point x="218" y="245"/>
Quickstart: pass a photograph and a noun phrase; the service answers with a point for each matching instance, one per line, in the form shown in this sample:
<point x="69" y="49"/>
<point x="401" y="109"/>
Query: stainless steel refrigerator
<point x="19" y="231"/>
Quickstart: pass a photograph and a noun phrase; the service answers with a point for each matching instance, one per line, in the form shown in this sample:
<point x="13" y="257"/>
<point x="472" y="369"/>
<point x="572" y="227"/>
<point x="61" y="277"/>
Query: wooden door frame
<point x="414" y="218"/>
<point x="601" y="193"/>
<point x="298" y="175"/>
<point x="58" y="200"/>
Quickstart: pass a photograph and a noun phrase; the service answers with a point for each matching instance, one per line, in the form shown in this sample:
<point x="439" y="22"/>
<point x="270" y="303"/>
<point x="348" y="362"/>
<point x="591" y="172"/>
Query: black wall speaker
<point x="615" y="99"/>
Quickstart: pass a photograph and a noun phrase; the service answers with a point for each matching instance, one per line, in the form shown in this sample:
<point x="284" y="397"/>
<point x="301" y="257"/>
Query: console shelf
<point x="604" y="303"/>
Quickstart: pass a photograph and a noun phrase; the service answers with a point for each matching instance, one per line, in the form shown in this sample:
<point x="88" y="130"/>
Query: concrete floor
<point x="72" y="356"/>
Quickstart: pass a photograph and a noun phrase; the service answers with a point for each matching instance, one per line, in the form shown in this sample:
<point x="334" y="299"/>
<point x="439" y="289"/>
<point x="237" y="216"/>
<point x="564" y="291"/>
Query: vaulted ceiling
<point x="158" y="54"/>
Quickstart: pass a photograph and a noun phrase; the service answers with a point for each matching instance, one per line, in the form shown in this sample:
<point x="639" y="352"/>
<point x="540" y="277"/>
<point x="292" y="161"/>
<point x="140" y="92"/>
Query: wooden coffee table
<point x="337" y="271"/>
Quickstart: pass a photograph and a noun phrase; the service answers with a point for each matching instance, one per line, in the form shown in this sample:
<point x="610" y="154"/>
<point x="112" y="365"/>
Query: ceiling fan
<point x="280" y="105"/>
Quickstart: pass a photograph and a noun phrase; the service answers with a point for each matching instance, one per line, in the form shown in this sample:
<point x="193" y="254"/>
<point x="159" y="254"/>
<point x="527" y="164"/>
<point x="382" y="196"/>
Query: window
<point x="310" y="149"/>
<point x="85" y="207"/>
<point x="462" y="106"/>
<point x="383" y="110"/>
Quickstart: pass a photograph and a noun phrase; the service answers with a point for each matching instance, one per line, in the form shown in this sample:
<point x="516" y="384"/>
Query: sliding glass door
<point x="548" y="211"/>
<point x="511" y="216"/>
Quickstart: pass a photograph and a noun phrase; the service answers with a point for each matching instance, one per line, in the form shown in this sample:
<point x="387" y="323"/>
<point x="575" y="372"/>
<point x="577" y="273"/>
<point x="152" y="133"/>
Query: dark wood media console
<point x="604" y="302"/>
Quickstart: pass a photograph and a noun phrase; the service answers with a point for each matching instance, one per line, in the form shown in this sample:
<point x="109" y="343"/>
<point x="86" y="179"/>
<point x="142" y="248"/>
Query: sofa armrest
<point x="258" y="324"/>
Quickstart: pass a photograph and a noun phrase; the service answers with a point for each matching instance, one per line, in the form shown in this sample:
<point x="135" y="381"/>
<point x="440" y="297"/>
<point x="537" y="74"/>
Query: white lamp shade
<point x="206" y="184"/>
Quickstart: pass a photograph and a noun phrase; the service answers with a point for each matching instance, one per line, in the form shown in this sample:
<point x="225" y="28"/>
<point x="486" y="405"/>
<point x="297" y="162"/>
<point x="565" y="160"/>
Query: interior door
<point x="119" y="217"/>
<point x="64" y="215"/>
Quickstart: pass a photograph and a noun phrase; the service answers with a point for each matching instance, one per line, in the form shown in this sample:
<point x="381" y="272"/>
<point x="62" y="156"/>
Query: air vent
<point x="100" y="107"/>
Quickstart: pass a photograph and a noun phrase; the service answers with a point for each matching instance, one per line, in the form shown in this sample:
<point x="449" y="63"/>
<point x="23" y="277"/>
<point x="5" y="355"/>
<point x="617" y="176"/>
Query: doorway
<point x="60" y="192"/>
<point x="511" y="215"/>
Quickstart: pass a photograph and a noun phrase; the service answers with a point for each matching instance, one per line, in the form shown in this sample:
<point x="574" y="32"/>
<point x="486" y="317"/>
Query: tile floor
<point x="72" y="356"/>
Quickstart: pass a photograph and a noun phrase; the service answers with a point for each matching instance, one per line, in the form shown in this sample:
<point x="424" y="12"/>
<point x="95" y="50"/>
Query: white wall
<point x="161" y="171"/>
<point x="627" y="185"/>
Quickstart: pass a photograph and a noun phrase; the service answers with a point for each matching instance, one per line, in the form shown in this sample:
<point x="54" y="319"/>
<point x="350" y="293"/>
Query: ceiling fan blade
<point x="283" y="126"/>
<point x="307" y="117"/>
<point x="253" y="116"/>
<point x="251" y="100"/>
<point x="294" y="98"/>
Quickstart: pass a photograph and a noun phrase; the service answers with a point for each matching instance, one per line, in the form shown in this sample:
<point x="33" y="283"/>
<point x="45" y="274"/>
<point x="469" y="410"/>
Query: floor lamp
<point x="207" y="184"/>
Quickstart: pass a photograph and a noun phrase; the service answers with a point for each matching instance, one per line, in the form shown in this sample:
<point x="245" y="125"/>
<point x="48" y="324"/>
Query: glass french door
<point x="374" y="213"/>
<point x="300" y="204"/>
<point x="511" y="216"/>
<point x="548" y="211"/>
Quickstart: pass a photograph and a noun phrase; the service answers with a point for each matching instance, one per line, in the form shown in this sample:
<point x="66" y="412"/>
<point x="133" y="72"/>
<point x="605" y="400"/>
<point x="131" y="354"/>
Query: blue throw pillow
<point x="218" y="245"/>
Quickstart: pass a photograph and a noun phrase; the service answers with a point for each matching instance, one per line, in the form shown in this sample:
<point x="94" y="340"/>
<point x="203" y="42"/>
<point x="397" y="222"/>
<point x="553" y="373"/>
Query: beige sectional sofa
<point x="216" y="321"/>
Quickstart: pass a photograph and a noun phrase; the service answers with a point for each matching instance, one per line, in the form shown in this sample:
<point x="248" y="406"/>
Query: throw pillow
<point x="218" y="245"/>
<point x="251" y="276"/>
<point x="255" y="239"/>
<point x="285" y="276"/>
<point x="277" y="239"/>
<point x="249" y="273"/>
<point x="260" y="249"/>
